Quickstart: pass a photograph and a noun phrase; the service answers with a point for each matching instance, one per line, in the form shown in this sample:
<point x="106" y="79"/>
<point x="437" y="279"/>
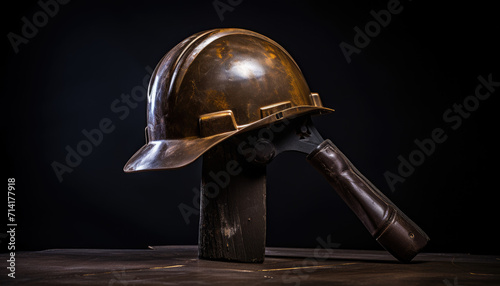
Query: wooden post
<point x="233" y="207"/>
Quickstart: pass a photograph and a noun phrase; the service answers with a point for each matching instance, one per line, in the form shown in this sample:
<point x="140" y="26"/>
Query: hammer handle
<point x="386" y="223"/>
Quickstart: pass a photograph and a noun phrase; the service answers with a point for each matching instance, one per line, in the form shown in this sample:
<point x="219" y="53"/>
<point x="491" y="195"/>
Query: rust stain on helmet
<point x="217" y="98"/>
<point x="213" y="85"/>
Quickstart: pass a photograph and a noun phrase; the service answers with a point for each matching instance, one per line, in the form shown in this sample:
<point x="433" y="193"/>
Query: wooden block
<point x="233" y="208"/>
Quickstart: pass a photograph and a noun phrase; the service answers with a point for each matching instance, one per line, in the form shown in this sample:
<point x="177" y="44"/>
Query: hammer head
<point x="289" y="134"/>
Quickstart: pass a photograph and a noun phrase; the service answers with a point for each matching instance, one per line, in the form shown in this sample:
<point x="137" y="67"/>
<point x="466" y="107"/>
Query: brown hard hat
<point x="213" y="85"/>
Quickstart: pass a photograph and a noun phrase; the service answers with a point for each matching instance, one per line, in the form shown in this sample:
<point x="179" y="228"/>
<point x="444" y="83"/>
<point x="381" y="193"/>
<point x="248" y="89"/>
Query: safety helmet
<point x="213" y="85"/>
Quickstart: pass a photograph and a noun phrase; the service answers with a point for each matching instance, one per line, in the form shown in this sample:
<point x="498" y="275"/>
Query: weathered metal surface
<point x="178" y="265"/>
<point x="234" y="71"/>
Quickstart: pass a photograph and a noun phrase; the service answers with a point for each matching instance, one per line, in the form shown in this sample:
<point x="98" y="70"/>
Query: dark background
<point x="393" y="92"/>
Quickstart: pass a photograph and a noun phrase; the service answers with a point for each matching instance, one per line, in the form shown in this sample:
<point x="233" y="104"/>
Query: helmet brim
<point x="176" y="153"/>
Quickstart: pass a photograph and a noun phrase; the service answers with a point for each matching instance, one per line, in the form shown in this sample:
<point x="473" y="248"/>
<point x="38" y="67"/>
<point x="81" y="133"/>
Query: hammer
<point x="397" y="233"/>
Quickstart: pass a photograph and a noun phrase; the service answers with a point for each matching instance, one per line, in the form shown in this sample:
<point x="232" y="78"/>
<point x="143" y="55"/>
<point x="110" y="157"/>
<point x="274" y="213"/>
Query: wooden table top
<point x="179" y="265"/>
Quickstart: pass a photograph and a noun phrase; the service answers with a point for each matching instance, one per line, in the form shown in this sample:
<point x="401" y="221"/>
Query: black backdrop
<point x="69" y="71"/>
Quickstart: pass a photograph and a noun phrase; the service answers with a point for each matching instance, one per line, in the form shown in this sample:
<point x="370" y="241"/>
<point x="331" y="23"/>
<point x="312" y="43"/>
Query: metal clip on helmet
<point x="213" y="85"/>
